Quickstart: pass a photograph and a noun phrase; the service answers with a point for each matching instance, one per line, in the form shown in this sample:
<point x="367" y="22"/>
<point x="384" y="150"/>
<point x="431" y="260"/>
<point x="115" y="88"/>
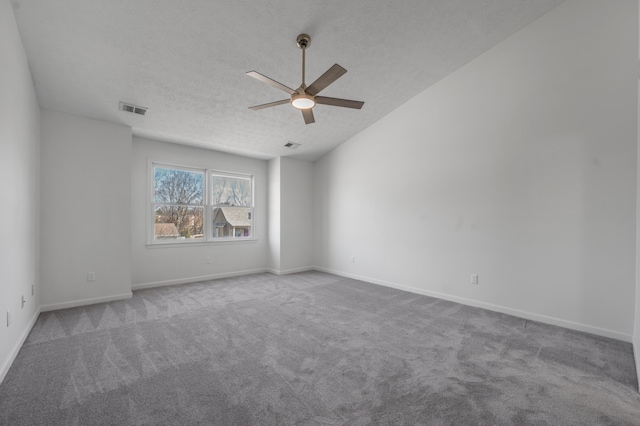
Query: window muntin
<point x="197" y="205"/>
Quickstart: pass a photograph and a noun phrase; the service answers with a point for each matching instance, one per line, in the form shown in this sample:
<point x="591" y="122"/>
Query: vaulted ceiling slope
<point x="186" y="61"/>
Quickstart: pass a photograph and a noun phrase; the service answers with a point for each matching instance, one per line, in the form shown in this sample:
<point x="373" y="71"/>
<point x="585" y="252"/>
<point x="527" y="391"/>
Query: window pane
<point x="178" y="223"/>
<point x="231" y="191"/>
<point x="231" y="222"/>
<point x="178" y="186"/>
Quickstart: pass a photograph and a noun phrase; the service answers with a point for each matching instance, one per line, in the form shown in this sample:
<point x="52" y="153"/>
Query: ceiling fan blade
<point x="270" y="104"/>
<point x="346" y="103"/>
<point x="331" y="75"/>
<point x="271" y="82"/>
<point x="308" y="116"/>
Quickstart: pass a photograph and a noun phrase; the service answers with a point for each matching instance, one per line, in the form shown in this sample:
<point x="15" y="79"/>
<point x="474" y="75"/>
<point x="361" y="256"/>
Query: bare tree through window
<point x="179" y="199"/>
<point x="231" y="191"/>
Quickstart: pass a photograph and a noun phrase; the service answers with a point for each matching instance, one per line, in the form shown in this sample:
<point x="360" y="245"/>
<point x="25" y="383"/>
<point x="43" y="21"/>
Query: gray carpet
<point x="311" y="349"/>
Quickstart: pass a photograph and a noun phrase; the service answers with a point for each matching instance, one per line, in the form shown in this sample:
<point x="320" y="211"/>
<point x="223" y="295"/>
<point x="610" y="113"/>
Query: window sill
<point x="202" y="243"/>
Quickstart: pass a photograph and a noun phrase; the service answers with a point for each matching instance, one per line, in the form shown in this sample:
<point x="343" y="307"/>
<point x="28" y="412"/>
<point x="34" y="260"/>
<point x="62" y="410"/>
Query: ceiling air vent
<point x="133" y="108"/>
<point x="292" y="145"/>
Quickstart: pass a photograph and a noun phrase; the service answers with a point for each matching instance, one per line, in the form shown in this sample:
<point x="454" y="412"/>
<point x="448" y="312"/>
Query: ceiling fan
<point x="305" y="98"/>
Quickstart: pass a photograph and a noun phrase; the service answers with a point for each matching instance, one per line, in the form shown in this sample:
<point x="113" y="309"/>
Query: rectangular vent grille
<point x="292" y="145"/>
<point x="133" y="108"/>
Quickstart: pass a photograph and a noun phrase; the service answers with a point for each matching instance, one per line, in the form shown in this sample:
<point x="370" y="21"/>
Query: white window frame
<point x="207" y="205"/>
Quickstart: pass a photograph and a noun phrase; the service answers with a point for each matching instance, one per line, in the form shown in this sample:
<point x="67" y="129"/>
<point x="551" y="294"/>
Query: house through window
<point x="232" y="205"/>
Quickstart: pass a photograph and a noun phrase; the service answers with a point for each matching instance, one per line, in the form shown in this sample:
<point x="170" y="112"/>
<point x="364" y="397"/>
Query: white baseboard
<point x="291" y="271"/>
<point x="491" y="307"/>
<point x="83" y="302"/>
<point x="143" y="286"/>
<point x="16" y="348"/>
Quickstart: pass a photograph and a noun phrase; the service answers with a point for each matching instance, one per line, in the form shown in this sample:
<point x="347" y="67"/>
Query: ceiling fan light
<point x="303" y="101"/>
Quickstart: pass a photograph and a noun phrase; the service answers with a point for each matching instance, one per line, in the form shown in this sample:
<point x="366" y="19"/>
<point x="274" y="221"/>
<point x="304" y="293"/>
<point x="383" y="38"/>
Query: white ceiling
<point x="186" y="61"/>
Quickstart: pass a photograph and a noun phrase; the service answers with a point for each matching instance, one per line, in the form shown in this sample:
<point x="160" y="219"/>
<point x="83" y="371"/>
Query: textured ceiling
<point x="186" y="61"/>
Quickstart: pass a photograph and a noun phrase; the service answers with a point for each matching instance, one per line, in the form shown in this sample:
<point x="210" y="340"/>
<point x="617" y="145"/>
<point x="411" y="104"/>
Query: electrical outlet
<point x="33" y="290"/>
<point x="91" y="276"/>
<point x="207" y="260"/>
<point x="474" y="278"/>
<point x="8" y="318"/>
<point x="23" y="302"/>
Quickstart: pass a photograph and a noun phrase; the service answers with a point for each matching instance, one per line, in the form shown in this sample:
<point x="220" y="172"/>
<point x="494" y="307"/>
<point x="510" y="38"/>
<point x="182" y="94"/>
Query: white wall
<point x="19" y="189"/>
<point x="296" y="215"/>
<point x="86" y="210"/>
<point x="636" y="327"/>
<point x="163" y="265"/>
<point x="519" y="167"/>
<point x="291" y="215"/>
<point x="274" y="215"/>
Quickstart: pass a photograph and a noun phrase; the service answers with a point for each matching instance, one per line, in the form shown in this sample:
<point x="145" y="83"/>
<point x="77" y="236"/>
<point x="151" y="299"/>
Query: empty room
<point x="319" y="212"/>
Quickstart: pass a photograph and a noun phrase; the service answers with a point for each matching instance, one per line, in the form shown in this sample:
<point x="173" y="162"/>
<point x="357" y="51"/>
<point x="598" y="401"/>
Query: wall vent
<point x="133" y="108"/>
<point x="292" y="145"/>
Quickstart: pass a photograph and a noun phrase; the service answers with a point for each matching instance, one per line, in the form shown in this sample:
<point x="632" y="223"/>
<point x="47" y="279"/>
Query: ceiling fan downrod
<point x="303" y="41"/>
<point x="303" y="100"/>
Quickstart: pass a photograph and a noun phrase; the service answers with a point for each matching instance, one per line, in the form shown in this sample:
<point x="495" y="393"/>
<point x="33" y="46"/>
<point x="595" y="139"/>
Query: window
<point x="232" y="202"/>
<point x="199" y="205"/>
<point x="178" y="203"/>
